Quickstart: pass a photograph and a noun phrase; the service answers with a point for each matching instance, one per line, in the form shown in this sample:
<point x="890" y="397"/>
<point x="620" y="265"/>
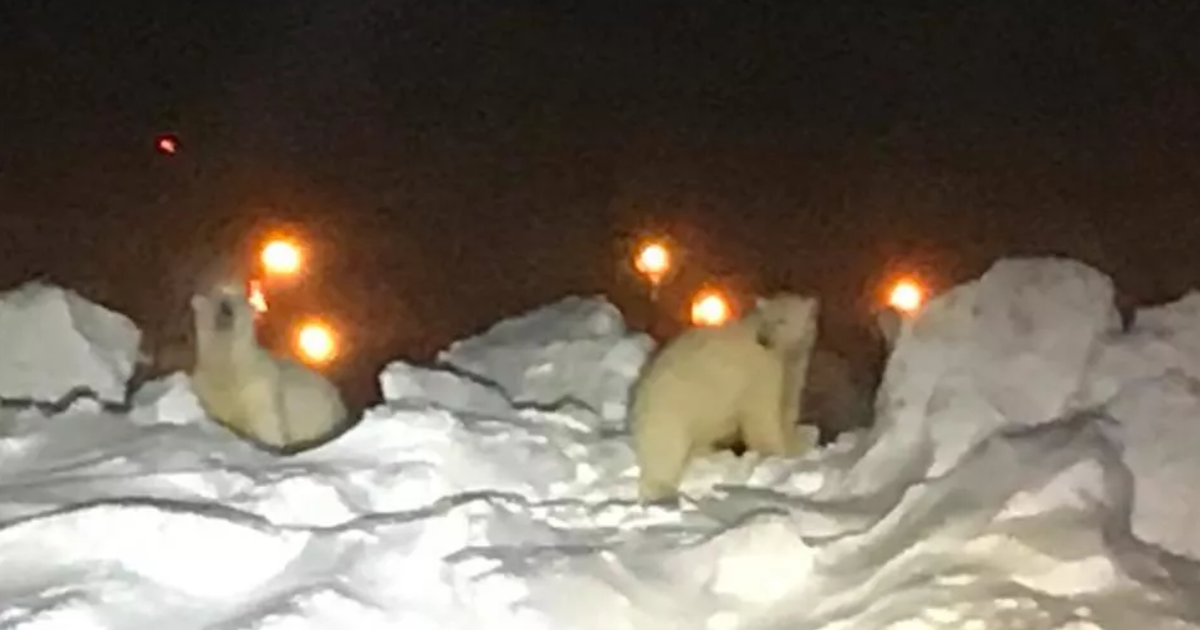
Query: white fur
<point x="710" y="386"/>
<point x="271" y="400"/>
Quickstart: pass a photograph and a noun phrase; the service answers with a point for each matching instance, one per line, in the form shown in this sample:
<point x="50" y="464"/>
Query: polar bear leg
<point x="662" y="456"/>
<point x="763" y="426"/>
<point x="264" y="408"/>
<point x="795" y="377"/>
<point x="281" y="417"/>
<point x="763" y="434"/>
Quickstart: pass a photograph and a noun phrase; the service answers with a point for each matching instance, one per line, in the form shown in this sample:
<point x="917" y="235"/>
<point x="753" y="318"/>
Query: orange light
<point x="281" y="257"/>
<point x="316" y="343"/>
<point x="906" y="296"/>
<point x="653" y="261"/>
<point x="258" y="299"/>
<point x="710" y="308"/>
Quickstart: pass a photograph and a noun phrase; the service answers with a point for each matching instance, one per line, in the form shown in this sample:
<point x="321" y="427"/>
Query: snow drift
<point x="56" y="346"/>
<point x="1024" y="473"/>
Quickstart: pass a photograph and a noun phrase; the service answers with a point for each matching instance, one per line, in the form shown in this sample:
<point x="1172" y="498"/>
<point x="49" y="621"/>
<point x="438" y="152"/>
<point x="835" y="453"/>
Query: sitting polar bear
<point x="275" y="402"/>
<point x="710" y="387"/>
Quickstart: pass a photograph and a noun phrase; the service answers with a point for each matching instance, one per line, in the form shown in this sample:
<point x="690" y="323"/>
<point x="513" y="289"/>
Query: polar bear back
<point x="704" y="377"/>
<point x="312" y="406"/>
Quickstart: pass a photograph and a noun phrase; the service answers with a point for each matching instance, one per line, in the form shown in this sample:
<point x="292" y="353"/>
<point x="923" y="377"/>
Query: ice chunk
<point x="1008" y="348"/>
<point x="169" y="399"/>
<point x="55" y="344"/>
<point x="1149" y="380"/>
<point x="401" y="381"/>
<point x="575" y="350"/>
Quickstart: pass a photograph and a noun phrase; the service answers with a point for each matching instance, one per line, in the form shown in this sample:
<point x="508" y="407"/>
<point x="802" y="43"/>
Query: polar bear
<point x="836" y="399"/>
<point x="712" y="386"/>
<point x="275" y="402"/>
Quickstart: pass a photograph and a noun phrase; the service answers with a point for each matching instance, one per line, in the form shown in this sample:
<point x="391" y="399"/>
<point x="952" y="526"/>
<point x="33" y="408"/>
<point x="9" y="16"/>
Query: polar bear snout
<point x="225" y="316"/>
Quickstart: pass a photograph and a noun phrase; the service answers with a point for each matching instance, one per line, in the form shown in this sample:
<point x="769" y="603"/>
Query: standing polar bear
<point x="710" y="387"/>
<point x="275" y="402"/>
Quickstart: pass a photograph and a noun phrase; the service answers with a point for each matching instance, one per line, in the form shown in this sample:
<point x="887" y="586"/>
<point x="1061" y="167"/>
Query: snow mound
<point x="55" y="345"/>
<point x="1008" y="349"/>
<point x="576" y="350"/>
<point x="478" y="502"/>
<point x="167" y="400"/>
<point x="1149" y="380"/>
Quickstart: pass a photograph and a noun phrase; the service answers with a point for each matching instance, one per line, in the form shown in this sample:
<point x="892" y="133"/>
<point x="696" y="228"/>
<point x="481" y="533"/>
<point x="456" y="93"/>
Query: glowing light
<point x="281" y="257"/>
<point x="906" y="297"/>
<point x="653" y="261"/>
<point x="258" y="299"/>
<point x="167" y="144"/>
<point x="316" y="343"/>
<point x="710" y="308"/>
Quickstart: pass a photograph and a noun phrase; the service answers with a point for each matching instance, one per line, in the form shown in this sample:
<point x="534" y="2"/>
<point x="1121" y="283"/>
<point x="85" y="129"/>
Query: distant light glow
<point x="167" y="144"/>
<point x="653" y="261"/>
<point x="710" y="308"/>
<point x="281" y="257"/>
<point x="316" y="343"/>
<point x="258" y="299"/>
<point x="906" y="296"/>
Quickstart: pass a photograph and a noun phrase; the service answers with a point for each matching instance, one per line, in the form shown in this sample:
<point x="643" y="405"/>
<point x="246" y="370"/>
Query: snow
<point x="573" y="352"/>
<point x="57" y="345"/>
<point x="1027" y="471"/>
<point x="1149" y="380"/>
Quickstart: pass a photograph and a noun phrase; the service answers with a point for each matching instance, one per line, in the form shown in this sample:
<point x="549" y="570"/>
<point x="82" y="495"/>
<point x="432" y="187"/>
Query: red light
<point x="167" y="144"/>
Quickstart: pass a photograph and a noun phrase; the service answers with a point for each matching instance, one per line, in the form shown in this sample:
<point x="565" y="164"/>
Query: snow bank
<point x="993" y="494"/>
<point x="573" y="352"/>
<point x="1149" y="380"/>
<point x="55" y="345"/>
<point x="1009" y="348"/>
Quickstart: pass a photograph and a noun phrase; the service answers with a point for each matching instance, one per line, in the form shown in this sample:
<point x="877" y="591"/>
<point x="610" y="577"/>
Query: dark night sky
<point x="463" y="160"/>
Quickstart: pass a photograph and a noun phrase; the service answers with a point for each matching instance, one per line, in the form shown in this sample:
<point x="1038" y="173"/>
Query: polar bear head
<point x="224" y="311"/>
<point x="786" y="321"/>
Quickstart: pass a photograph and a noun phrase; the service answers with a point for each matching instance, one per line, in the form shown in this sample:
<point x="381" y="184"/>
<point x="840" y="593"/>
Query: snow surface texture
<point x="995" y="492"/>
<point x="1149" y="380"/>
<point x="573" y="353"/>
<point x="55" y="345"/>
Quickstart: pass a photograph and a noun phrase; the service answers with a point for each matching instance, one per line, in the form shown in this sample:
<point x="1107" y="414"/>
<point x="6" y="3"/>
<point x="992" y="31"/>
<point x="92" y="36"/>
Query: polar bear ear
<point x="760" y="302"/>
<point x="199" y="303"/>
<point x="814" y="306"/>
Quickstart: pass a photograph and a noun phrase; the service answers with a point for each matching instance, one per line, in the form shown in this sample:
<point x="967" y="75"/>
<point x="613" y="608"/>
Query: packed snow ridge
<point x="1032" y="467"/>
